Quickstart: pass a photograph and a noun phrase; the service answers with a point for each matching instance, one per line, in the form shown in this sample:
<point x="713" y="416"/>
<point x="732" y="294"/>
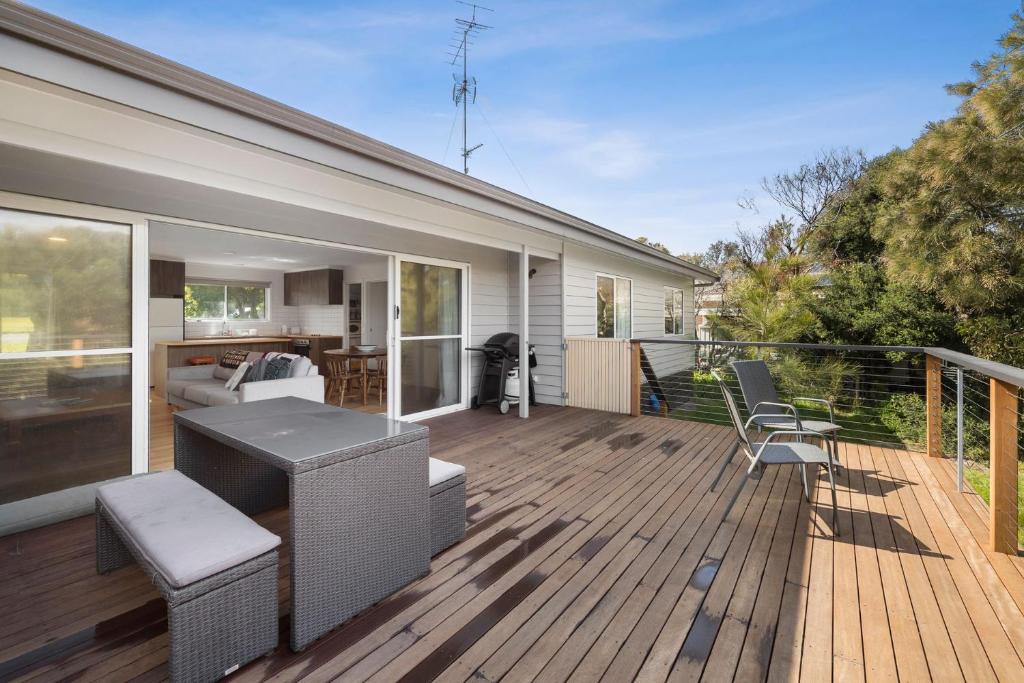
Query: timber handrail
<point x="1006" y="381"/>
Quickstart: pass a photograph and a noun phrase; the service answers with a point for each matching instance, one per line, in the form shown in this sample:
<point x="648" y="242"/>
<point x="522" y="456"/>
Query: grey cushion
<point x="212" y="393"/>
<point x="277" y="368"/>
<point x="441" y="471"/>
<point x="176" y="387"/>
<point x="783" y="453"/>
<point x="184" y="531"/>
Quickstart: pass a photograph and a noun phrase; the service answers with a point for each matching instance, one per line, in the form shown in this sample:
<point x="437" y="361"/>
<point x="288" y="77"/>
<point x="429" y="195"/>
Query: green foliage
<point x="773" y="299"/>
<point x="954" y="220"/>
<point x="905" y="416"/>
<point x="821" y="379"/>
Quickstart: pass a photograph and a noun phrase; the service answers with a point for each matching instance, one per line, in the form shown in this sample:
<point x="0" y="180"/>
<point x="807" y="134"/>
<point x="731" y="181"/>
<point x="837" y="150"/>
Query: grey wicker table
<point x="356" y="489"/>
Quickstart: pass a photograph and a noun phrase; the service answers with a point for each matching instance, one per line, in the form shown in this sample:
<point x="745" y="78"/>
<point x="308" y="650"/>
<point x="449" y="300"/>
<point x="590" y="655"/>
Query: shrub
<point x="905" y="416"/>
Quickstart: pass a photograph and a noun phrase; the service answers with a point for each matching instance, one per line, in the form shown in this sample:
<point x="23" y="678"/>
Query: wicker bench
<point x="447" y="504"/>
<point x="215" y="567"/>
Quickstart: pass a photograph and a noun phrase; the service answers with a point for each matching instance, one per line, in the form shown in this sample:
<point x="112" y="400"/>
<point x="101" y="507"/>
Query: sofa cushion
<point x="228" y="363"/>
<point x="211" y="393"/>
<point x="441" y="471"/>
<point x="236" y="378"/>
<point x="178" y="387"/>
<point x="300" y="367"/>
<point x="277" y="368"/>
<point x="183" y="530"/>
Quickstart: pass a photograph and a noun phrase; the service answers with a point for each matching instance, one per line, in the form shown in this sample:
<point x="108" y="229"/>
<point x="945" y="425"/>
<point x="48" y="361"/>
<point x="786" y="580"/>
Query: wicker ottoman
<point x="215" y="567"/>
<point x="447" y="504"/>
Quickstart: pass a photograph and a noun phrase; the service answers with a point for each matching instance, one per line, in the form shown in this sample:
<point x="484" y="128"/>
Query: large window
<point x="614" y="307"/>
<point x="673" y="310"/>
<point x="65" y="353"/>
<point x="219" y="300"/>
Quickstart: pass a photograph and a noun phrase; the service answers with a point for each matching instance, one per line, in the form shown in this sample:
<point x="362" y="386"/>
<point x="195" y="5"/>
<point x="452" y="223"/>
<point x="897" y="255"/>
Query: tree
<point x="771" y="298"/>
<point x="815" y="189"/>
<point x="954" y="221"/>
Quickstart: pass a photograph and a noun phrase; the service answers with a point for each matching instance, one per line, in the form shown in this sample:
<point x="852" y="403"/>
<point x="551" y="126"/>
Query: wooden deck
<point x="596" y="551"/>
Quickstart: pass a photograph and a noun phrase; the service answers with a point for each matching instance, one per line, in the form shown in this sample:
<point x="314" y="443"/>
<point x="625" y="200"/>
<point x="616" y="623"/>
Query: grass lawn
<point x="862" y="425"/>
<point x="978" y="478"/>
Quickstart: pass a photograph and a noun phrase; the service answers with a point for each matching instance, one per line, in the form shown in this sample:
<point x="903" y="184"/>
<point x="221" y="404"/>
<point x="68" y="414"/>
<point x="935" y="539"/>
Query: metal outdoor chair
<point x="767" y="412"/>
<point x="771" y="451"/>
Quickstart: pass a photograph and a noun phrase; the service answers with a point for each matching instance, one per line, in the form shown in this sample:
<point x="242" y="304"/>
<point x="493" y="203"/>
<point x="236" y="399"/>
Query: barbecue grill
<point x="501" y="359"/>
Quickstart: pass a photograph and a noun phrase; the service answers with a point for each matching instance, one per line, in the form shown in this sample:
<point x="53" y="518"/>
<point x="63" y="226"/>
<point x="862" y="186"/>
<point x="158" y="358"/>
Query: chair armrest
<point x="795" y="419"/>
<point x="831" y="410"/>
<point x="191" y="372"/>
<point x="787" y="406"/>
<point x="310" y="388"/>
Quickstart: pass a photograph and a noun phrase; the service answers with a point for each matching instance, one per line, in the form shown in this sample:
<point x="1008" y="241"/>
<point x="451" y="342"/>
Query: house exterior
<point x="112" y="139"/>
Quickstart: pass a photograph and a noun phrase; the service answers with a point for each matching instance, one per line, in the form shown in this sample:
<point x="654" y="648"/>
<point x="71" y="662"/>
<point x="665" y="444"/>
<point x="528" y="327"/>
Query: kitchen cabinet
<point x="320" y="343"/>
<point x="166" y="279"/>
<point x="323" y="287"/>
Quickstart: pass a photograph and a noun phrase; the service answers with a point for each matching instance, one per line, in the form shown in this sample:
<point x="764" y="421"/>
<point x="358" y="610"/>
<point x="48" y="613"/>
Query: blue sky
<point x="650" y="118"/>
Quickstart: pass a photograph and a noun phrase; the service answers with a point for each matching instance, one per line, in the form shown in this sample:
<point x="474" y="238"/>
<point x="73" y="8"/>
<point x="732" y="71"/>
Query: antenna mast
<point x="463" y="90"/>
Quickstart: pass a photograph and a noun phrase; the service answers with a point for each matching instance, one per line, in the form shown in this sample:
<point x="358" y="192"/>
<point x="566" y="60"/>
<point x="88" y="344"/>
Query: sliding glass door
<point x="431" y="341"/>
<point x="66" y="370"/>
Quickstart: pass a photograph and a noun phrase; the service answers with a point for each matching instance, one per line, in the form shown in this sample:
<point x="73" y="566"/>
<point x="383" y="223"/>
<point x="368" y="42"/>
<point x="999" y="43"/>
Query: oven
<point x="300" y="347"/>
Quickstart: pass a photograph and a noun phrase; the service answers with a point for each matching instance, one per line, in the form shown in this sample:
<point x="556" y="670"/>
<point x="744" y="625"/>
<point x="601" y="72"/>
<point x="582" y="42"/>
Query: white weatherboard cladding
<point x="545" y="322"/>
<point x="582" y="264"/>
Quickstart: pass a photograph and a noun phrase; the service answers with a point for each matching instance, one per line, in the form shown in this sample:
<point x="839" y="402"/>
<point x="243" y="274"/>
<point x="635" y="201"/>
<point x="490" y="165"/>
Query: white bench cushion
<point x="184" y="531"/>
<point x="441" y="471"/>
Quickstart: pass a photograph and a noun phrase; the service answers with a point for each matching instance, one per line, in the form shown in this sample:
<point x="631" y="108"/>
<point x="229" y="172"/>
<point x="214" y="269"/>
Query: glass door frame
<point x="139" y="282"/>
<point x="395" y="337"/>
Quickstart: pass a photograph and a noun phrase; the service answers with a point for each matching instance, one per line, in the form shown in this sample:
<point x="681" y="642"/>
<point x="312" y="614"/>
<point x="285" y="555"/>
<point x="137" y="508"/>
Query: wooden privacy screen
<point x="598" y="373"/>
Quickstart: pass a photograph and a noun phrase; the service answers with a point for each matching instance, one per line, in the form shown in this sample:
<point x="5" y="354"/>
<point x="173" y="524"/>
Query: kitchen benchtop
<point x="223" y="341"/>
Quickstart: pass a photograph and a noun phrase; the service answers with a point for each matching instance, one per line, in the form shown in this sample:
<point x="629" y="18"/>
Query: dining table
<point x="355" y="485"/>
<point x="352" y="353"/>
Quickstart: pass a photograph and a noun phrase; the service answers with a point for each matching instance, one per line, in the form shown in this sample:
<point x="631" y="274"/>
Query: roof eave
<point x="56" y="33"/>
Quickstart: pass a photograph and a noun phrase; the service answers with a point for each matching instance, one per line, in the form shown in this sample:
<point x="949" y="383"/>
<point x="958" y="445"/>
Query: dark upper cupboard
<point x="314" y="287"/>
<point x="166" y="279"/>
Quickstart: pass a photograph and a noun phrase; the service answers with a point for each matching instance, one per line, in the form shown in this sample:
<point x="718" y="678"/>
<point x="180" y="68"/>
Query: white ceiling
<point x="218" y="247"/>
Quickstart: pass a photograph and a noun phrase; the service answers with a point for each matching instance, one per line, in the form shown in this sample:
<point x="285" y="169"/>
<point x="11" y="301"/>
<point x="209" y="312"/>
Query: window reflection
<point x="65" y="283"/>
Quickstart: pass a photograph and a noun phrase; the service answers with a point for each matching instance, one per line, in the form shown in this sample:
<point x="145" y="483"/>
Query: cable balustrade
<point x="942" y="402"/>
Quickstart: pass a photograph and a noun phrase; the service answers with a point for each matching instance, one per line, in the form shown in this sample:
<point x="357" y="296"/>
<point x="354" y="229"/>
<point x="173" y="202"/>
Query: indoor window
<point x="673" y="310"/>
<point x="212" y="300"/>
<point x="614" y="307"/>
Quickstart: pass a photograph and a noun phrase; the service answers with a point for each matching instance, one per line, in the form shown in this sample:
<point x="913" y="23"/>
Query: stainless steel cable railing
<point x="935" y="400"/>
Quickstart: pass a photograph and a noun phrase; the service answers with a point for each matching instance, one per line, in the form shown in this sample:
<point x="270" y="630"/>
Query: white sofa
<point x="197" y="387"/>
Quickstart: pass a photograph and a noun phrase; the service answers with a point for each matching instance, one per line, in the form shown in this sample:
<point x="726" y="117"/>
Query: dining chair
<point x="378" y="375"/>
<point x="340" y="377"/>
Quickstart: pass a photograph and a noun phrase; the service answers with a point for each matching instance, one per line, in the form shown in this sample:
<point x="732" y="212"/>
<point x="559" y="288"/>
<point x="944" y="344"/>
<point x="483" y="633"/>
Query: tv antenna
<point x="465" y="90"/>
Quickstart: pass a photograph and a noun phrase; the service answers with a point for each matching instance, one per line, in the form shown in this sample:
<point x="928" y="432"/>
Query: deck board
<point x="596" y="550"/>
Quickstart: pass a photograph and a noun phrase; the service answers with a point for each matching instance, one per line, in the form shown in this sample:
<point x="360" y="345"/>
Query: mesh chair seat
<point x="821" y="426"/>
<point x="794" y="453"/>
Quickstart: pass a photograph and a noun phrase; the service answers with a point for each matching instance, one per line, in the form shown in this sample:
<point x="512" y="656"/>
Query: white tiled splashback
<point x="322" y="319"/>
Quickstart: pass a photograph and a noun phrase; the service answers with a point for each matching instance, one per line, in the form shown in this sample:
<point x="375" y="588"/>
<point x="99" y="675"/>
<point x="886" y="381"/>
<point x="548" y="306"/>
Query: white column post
<point x="524" y="332"/>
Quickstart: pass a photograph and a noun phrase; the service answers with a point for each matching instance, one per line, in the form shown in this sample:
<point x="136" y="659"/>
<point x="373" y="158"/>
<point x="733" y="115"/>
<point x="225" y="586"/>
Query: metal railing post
<point x="960" y="429"/>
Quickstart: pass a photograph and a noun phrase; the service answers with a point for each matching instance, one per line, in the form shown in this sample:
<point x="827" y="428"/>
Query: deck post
<point x="1002" y="467"/>
<point x="524" y="332"/>
<point x="634" y="378"/>
<point x="933" y="405"/>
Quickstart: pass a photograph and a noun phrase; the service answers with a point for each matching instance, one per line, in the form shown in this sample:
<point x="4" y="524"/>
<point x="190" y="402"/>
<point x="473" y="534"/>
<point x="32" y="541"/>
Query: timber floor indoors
<point x="596" y="550"/>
